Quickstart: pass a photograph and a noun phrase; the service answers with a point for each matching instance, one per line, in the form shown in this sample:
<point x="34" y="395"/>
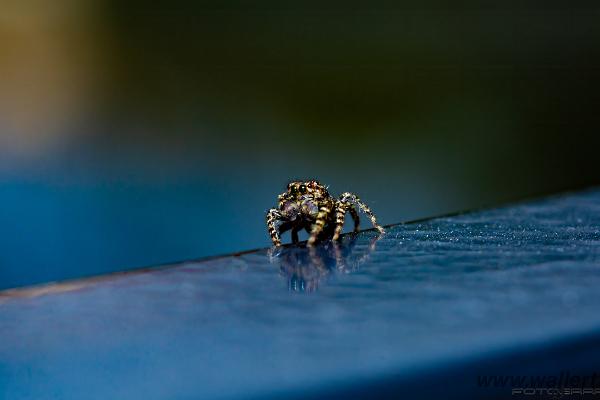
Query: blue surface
<point x="373" y="314"/>
<point x="56" y="230"/>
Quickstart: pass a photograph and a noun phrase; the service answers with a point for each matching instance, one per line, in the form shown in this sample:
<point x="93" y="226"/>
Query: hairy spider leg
<point x="352" y="198"/>
<point x="295" y="231"/>
<point x="341" y="209"/>
<point x="272" y="216"/>
<point x="319" y="224"/>
<point x="281" y="200"/>
<point x="340" y="216"/>
<point x="286" y="226"/>
<point x="355" y="217"/>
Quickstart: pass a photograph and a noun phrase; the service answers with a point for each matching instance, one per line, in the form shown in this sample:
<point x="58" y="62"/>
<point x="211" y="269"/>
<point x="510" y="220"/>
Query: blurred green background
<point x="135" y="133"/>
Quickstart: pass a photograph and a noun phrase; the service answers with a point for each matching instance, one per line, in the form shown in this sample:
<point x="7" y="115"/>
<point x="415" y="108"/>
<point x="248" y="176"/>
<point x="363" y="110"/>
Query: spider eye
<point x="302" y="189"/>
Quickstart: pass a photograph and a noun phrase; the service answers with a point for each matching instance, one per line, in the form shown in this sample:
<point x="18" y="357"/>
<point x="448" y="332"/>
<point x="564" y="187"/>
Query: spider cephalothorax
<point x="308" y="205"/>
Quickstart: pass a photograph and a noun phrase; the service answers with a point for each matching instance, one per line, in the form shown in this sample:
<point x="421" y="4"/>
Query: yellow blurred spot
<point x="48" y="71"/>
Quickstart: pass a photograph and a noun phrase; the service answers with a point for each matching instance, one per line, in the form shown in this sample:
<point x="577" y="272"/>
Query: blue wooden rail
<point x="431" y="309"/>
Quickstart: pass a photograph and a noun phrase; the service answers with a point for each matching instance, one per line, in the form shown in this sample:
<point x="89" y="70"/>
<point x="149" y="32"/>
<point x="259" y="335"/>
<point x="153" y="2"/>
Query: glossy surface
<point x="427" y="294"/>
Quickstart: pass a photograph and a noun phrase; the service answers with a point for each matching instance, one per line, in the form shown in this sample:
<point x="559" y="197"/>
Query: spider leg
<point x="319" y="224"/>
<point x="286" y="226"/>
<point x="352" y="198"/>
<point x="273" y="215"/>
<point x="295" y="231"/>
<point x="340" y="215"/>
<point x="355" y="217"/>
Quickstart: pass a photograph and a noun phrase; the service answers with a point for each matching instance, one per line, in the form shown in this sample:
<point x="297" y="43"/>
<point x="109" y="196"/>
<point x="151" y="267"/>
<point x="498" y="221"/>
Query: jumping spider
<point x="308" y="205"/>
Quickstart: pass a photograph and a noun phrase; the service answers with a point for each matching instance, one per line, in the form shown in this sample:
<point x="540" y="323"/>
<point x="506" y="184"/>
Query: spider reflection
<point x="306" y="267"/>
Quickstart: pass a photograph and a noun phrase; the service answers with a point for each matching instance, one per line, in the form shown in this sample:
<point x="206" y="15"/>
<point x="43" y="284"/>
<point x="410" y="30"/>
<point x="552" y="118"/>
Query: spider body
<point x="308" y="205"/>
